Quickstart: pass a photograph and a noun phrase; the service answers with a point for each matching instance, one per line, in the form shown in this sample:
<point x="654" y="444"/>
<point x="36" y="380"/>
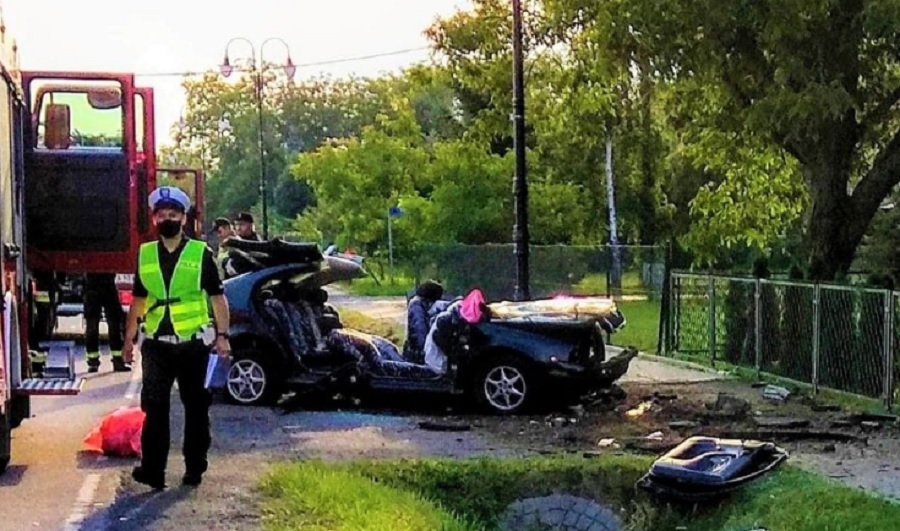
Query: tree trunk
<point x="830" y="245"/>
<point x="838" y="221"/>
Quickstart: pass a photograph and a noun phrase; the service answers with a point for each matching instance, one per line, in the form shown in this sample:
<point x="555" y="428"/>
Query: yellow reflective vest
<point x="183" y="297"/>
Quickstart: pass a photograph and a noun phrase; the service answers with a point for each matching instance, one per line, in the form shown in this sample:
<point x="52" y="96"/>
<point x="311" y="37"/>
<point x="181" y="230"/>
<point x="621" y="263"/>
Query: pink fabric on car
<point x="470" y="308"/>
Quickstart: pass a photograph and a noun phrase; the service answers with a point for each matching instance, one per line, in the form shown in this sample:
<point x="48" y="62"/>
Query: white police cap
<point x="169" y="196"/>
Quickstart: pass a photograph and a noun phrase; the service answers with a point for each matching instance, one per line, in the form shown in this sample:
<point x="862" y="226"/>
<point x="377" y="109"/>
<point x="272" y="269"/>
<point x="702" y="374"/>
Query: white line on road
<point x="83" y="503"/>
<point x="135" y="383"/>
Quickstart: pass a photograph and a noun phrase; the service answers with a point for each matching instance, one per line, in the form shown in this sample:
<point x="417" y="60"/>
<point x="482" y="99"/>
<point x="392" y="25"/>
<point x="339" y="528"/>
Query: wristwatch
<point x="226" y="335"/>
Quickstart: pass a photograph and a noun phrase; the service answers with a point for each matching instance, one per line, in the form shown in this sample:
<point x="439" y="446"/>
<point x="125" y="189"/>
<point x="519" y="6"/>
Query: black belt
<point x="175" y="340"/>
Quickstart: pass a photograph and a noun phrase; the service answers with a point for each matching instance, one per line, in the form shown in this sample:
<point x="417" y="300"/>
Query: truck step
<point x="50" y="386"/>
<point x="60" y="360"/>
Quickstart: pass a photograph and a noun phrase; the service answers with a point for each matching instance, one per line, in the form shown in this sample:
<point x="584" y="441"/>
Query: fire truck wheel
<point x="19" y="410"/>
<point x="5" y="443"/>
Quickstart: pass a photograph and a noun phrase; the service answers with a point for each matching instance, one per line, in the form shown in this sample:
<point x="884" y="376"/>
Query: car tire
<point x="504" y="385"/>
<point x="254" y="380"/>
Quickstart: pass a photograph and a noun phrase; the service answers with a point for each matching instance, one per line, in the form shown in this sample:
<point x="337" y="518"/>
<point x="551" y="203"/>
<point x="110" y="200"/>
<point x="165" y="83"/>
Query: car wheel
<point x="504" y="385"/>
<point x="253" y="381"/>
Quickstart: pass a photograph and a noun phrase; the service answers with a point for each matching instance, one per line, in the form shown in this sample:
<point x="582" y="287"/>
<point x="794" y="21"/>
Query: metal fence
<point x="584" y="270"/>
<point x="840" y="337"/>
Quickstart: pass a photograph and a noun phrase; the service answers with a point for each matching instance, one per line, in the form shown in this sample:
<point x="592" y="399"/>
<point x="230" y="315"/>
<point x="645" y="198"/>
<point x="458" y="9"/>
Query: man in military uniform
<point x="174" y="277"/>
<point x="224" y="230"/>
<point x="245" y="227"/>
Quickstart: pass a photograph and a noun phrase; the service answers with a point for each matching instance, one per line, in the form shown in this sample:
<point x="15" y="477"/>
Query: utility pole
<point x="521" y="235"/>
<point x="393" y="212"/>
<point x="257" y="68"/>
<point x="391" y="244"/>
<point x="261" y="144"/>
<point x="616" y="256"/>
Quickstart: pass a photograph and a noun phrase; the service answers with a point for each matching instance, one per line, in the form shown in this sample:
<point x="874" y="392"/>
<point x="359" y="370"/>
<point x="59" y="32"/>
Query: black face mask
<point x="169" y="228"/>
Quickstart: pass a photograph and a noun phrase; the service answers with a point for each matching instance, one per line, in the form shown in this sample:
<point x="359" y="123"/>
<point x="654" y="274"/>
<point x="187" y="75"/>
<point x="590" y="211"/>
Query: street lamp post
<point x="520" y="183"/>
<point x="258" y="69"/>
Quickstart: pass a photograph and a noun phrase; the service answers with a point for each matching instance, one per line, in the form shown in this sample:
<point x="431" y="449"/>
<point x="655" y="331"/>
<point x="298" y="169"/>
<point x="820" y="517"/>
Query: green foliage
<point x="470" y="200"/>
<point x="732" y="125"/>
<point x="755" y="194"/>
<point x="816" y="80"/>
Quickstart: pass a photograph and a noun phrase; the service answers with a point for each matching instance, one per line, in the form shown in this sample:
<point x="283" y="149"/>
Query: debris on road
<point x="643" y="408"/>
<point x="778" y="394"/>
<point x="705" y="469"/>
<point x="730" y="406"/>
<point x="782" y="435"/>
<point x="781" y="422"/>
<point x="680" y="425"/>
<point x="442" y="426"/>
<point x="871" y="417"/>
<point x="577" y="411"/>
<point x="659" y="397"/>
<point x="560" y="422"/>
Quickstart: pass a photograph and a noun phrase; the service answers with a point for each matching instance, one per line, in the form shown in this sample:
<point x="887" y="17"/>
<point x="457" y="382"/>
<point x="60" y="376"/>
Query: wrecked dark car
<point x="286" y="337"/>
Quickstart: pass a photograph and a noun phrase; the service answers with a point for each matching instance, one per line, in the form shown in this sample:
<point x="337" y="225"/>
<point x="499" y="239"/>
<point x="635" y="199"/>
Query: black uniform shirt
<point x="209" y="279"/>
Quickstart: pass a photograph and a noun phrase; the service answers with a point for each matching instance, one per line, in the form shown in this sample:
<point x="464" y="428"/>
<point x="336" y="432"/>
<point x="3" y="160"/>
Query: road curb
<point x="675" y="362"/>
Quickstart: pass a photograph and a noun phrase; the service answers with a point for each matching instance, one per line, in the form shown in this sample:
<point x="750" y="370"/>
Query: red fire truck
<point x="77" y="164"/>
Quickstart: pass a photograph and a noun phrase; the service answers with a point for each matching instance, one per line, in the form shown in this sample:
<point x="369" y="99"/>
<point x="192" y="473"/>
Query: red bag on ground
<point x="118" y="434"/>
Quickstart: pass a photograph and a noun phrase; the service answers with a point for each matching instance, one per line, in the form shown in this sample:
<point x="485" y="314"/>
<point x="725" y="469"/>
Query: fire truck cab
<point x="89" y="167"/>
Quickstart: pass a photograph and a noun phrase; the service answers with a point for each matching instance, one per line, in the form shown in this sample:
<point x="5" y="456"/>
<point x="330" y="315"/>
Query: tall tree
<point x="818" y="78"/>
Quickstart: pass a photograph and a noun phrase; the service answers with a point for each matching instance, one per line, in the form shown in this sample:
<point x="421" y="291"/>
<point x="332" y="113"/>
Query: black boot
<point x="119" y="365"/>
<point x="154" y="481"/>
<point x="193" y="476"/>
<point x="93" y="364"/>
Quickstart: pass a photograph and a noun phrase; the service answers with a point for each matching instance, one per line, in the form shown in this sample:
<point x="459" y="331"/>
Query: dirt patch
<point x="856" y="449"/>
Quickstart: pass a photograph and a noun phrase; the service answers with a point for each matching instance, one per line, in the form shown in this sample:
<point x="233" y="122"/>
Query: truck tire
<point x="19" y="410"/>
<point x="5" y="441"/>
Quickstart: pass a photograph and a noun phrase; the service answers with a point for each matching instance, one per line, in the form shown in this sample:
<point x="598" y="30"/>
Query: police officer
<point x="101" y="295"/>
<point x="174" y="277"/>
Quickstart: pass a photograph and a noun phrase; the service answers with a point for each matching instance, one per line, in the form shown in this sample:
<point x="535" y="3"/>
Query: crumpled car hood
<point x="565" y="308"/>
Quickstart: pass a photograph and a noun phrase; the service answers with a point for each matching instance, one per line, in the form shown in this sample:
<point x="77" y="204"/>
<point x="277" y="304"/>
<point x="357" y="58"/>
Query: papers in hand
<point x="217" y="372"/>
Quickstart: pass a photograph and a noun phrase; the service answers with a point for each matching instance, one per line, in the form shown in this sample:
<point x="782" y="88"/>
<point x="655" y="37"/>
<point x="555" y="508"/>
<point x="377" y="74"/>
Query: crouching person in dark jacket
<point x="419" y="316"/>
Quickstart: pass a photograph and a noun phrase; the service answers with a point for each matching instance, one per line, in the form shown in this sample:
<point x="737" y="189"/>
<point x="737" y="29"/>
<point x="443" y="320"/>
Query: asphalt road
<point x="50" y="482"/>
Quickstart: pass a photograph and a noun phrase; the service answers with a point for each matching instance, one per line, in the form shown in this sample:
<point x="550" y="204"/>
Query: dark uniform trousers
<point x="100" y="294"/>
<point x="163" y="364"/>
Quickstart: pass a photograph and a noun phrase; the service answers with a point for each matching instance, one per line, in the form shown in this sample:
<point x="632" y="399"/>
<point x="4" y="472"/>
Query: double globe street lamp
<point x="257" y="69"/>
